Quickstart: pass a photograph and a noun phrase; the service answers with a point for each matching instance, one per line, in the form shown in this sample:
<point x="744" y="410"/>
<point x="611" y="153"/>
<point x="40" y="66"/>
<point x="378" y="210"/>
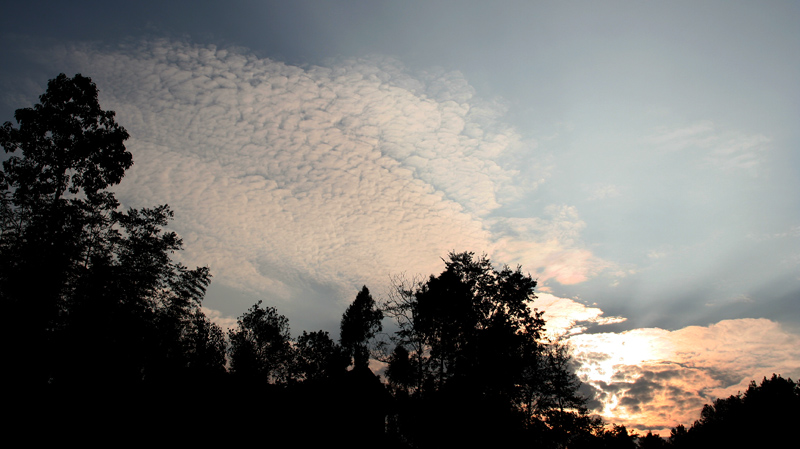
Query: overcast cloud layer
<point x="640" y="162"/>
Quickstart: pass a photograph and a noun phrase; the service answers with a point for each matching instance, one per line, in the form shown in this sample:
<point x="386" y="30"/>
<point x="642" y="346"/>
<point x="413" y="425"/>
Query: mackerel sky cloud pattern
<point x="349" y="173"/>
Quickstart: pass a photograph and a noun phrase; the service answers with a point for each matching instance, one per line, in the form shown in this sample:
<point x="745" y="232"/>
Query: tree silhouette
<point x="68" y="144"/>
<point x="474" y="323"/>
<point x="678" y="436"/>
<point x="204" y="346"/>
<point x="66" y="151"/>
<point x="762" y="416"/>
<point x="106" y="326"/>
<point x="260" y="345"/>
<point x="651" y="441"/>
<point x="96" y="296"/>
<point x="318" y="357"/>
<point x="360" y="322"/>
<point x="472" y="350"/>
<point x="400" y="371"/>
<point x="617" y="437"/>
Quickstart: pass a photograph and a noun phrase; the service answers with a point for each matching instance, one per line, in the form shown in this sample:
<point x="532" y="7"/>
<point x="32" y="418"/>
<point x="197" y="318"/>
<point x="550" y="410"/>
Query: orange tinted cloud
<point x="655" y="379"/>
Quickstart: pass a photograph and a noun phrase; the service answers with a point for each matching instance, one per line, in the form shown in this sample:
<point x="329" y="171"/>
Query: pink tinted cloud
<point x="655" y="379"/>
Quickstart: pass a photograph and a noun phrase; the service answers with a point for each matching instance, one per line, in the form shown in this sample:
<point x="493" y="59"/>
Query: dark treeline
<point x="106" y="340"/>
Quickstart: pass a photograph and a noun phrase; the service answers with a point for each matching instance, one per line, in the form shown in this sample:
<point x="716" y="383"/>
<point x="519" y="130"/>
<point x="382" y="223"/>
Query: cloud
<point x="329" y="176"/>
<point x="565" y="316"/>
<point x="224" y="322"/>
<point x="550" y="243"/>
<point x="655" y="379"/>
<point x="726" y="150"/>
<point x="653" y="254"/>
<point x="794" y="231"/>
<point x="603" y="191"/>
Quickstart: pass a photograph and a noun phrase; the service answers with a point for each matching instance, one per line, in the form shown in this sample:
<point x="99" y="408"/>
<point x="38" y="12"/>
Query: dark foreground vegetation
<point x="107" y="344"/>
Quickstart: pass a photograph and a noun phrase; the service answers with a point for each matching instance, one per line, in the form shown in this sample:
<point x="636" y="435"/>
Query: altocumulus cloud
<point x="335" y="176"/>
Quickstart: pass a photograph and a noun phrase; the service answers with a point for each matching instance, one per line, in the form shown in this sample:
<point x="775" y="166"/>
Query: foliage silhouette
<point x="65" y="144"/>
<point x="652" y="441"/>
<point x="317" y="357"/>
<point x="471" y="349"/>
<point x="617" y="437"/>
<point x="260" y="346"/>
<point x="360" y="322"/>
<point x="762" y="416"/>
<point x="102" y="316"/>
<point x="68" y="144"/>
<point x="678" y="436"/>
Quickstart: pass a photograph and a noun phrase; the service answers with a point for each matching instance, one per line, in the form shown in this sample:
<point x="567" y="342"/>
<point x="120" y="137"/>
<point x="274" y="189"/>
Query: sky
<point x="641" y="160"/>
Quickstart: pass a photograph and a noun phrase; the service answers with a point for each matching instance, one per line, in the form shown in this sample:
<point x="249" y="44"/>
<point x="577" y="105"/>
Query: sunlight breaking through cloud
<point x="655" y="379"/>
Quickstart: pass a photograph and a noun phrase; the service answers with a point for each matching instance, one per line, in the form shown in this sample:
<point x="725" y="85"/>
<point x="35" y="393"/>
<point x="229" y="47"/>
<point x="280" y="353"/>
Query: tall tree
<point x="470" y="323"/>
<point x="470" y="341"/>
<point x="43" y="234"/>
<point x="93" y="290"/>
<point x="65" y="152"/>
<point x="360" y="322"/>
<point x="203" y="345"/>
